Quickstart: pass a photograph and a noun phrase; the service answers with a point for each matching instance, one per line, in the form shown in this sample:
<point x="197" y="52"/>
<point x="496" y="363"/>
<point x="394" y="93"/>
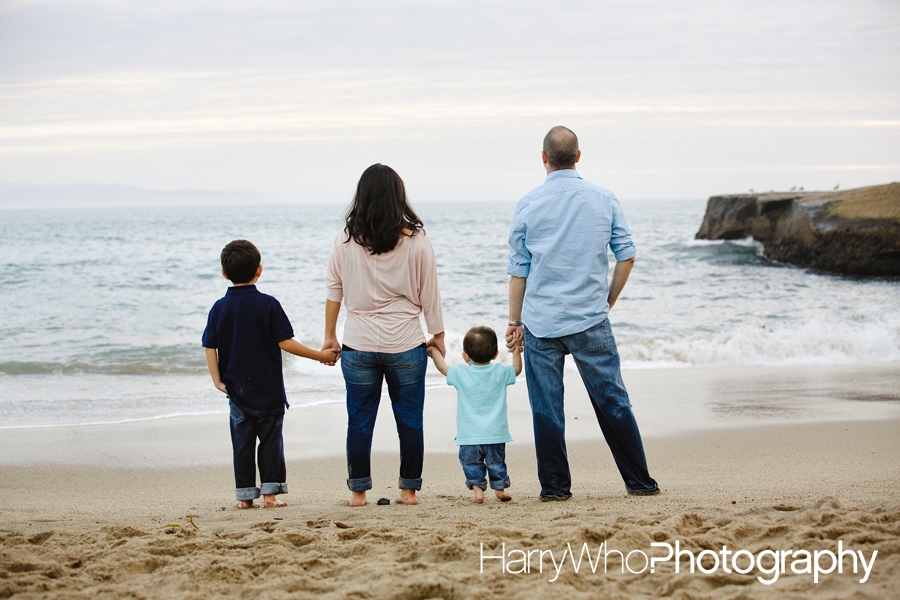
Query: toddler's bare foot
<point x="503" y="496"/>
<point x="407" y="496"/>
<point x="358" y="499"/>
<point x="479" y="495"/>
<point x="270" y="501"/>
<point x="245" y="504"/>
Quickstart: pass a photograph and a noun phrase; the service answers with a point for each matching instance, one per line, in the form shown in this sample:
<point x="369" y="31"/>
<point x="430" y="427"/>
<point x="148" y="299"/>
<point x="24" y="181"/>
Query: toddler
<point x="481" y="425"/>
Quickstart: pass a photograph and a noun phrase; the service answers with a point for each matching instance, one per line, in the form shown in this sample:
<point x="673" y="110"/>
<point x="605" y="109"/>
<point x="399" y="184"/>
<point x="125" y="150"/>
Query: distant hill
<point x="85" y="195"/>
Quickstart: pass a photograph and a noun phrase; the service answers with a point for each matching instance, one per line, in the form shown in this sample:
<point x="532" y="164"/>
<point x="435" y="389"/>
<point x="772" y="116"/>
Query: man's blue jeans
<point x="477" y="459"/>
<point x="245" y="429"/>
<point x="597" y="360"/>
<point x="364" y="373"/>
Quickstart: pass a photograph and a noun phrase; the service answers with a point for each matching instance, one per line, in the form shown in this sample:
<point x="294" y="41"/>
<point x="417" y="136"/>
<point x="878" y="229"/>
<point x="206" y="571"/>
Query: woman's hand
<point x="438" y="342"/>
<point x="334" y="346"/>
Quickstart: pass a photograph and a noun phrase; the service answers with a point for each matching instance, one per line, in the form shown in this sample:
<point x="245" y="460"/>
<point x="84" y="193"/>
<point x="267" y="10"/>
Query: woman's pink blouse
<point x="385" y="293"/>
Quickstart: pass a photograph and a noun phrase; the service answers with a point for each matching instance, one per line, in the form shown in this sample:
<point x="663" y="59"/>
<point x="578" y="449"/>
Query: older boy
<point x="245" y="334"/>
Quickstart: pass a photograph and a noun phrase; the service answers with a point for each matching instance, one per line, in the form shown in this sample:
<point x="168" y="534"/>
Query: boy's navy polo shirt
<point x="245" y="327"/>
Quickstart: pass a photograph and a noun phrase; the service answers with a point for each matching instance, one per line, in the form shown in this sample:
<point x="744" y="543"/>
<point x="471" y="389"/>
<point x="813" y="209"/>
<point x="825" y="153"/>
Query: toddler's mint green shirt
<point x="481" y="403"/>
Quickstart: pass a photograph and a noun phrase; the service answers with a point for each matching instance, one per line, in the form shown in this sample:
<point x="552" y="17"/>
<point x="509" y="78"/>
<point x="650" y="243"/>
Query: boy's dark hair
<point x="240" y="260"/>
<point x="480" y="344"/>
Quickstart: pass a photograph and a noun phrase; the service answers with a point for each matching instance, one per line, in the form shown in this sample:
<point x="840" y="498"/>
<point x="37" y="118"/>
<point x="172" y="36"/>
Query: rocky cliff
<point x="855" y="232"/>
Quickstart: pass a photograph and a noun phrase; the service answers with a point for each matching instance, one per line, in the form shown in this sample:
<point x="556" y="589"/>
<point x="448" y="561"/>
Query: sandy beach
<point x="765" y="460"/>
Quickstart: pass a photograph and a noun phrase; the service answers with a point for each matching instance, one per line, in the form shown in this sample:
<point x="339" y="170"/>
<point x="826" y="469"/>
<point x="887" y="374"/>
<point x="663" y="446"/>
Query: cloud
<point x="196" y="76"/>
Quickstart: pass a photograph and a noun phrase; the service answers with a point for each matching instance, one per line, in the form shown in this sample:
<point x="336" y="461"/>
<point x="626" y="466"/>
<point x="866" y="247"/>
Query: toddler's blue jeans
<point x="475" y="460"/>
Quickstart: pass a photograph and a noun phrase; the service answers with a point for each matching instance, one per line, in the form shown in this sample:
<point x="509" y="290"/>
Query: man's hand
<point x="620" y="275"/>
<point x="438" y="342"/>
<point x="515" y="338"/>
<point x="220" y="386"/>
<point x="334" y="346"/>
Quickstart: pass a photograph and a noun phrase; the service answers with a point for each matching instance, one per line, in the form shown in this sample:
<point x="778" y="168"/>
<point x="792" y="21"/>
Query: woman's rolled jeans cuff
<point x="266" y="489"/>
<point x="364" y="484"/>
<point x="410" y="484"/>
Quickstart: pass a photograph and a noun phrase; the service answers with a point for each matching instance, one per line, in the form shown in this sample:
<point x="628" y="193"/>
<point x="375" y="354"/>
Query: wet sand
<point x="770" y="459"/>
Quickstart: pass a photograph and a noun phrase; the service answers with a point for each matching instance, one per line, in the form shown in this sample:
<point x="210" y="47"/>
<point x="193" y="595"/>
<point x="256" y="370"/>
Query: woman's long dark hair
<point x="380" y="211"/>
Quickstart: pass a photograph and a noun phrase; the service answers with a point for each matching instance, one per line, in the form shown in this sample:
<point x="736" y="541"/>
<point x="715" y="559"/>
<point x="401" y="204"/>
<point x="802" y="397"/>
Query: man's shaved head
<point x="561" y="147"/>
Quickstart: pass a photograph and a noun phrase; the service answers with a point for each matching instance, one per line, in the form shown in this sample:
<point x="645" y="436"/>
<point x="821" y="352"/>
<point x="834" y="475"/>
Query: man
<point x="558" y="286"/>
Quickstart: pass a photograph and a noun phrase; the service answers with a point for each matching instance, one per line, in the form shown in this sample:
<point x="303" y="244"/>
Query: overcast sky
<point x="294" y="99"/>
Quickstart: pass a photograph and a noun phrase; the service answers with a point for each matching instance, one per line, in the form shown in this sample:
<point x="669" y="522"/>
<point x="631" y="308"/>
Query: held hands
<point x="515" y="338"/>
<point x="331" y="356"/>
<point x="439" y="363"/>
<point x="332" y="347"/>
<point x="437" y="342"/>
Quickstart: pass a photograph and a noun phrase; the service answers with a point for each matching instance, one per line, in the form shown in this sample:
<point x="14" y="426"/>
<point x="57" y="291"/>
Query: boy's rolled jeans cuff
<point x="273" y="488"/>
<point x="410" y="484"/>
<point x="244" y="494"/>
<point x="363" y="484"/>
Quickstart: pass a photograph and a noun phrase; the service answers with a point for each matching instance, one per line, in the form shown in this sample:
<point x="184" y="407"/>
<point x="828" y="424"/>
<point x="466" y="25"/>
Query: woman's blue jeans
<point x="597" y="359"/>
<point x="364" y="373"/>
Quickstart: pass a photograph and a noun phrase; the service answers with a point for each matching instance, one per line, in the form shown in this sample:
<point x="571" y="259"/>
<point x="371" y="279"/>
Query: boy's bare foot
<point x="270" y="501"/>
<point x="358" y="499"/>
<point x="407" y="496"/>
<point x="479" y="495"/>
<point x="245" y="504"/>
<point x="503" y="496"/>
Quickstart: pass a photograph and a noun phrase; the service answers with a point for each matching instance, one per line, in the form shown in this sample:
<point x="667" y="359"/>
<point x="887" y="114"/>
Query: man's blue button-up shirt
<point x="558" y="241"/>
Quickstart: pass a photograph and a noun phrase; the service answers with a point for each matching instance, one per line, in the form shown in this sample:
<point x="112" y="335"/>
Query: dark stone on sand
<point x="853" y="232"/>
<point x="383" y="501"/>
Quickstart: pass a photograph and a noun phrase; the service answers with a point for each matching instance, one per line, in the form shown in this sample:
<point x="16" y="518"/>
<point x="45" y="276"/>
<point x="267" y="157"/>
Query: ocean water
<point x="103" y="309"/>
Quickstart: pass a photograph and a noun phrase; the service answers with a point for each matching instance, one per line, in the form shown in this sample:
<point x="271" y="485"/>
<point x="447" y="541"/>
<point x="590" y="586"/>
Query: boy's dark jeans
<point x="245" y="429"/>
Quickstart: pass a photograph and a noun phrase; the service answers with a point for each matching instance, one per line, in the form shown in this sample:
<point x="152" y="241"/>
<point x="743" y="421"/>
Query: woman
<point x="382" y="267"/>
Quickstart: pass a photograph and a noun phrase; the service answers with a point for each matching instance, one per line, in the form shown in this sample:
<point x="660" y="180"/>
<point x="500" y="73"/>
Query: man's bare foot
<point x="479" y="495"/>
<point x="270" y="501"/>
<point x="245" y="504"/>
<point x="407" y="496"/>
<point x="503" y="496"/>
<point x="358" y="499"/>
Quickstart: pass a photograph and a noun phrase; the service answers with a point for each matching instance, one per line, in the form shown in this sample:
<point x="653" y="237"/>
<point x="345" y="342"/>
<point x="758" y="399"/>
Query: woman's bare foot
<point x="479" y="495"/>
<point x="358" y="499"/>
<point x="407" y="496"/>
<point x="503" y="496"/>
<point x="270" y="501"/>
<point x="245" y="504"/>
